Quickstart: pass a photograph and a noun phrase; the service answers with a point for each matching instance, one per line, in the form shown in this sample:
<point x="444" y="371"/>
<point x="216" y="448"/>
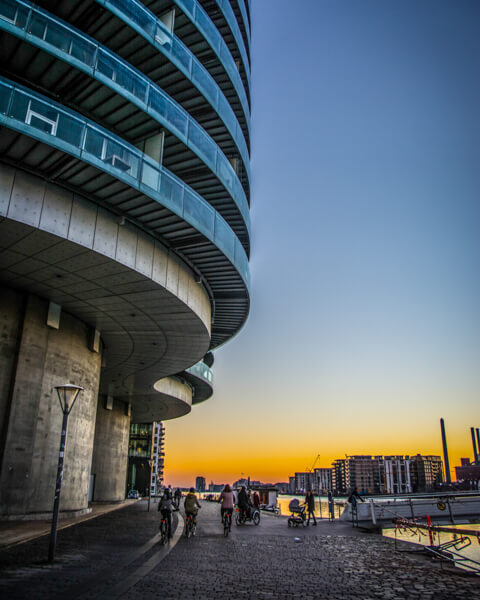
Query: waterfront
<point x="116" y="556"/>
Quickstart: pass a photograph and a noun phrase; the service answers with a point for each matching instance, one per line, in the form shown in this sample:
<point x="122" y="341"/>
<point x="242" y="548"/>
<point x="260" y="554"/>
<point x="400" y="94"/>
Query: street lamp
<point x="150" y="464"/>
<point x="67" y="394"/>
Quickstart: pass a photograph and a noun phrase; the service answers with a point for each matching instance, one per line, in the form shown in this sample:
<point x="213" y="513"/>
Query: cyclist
<point x="243" y="502"/>
<point x="226" y="499"/>
<point x="191" y="505"/>
<point x="165" y="506"/>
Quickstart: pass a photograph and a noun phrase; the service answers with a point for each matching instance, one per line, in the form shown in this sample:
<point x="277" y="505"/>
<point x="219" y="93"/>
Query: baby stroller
<point x="298" y="516"/>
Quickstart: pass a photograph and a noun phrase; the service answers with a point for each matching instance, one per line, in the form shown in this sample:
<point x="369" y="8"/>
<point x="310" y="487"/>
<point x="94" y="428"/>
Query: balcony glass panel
<point x="118" y="72"/>
<point x="224" y="237"/>
<point x="163" y="36"/>
<point x="12" y="12"/>
<point x="171" y="192"/>
<point x="111" y="153"/>
<point x="56" y="36"/>
<point x="225" y="171"/>
<point x="205" y="84"/>
<point x="182" y="55"/>
<point x="5" y="95"/>
<point x="135" y="12"/>
<point x="150" y="176"/>
<point x="241" y="261"/>
<point x="209" y="30"/>
<point x="203" y="144"/>
<point x="198" y="212"/>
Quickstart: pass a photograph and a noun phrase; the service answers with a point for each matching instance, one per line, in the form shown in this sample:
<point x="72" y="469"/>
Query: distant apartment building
<point x="200" y="484"/>
<point x="304" y="481"/>
<point x="322" y="479"/>
<point x="468" y="471"/>
<point x="426" y="472"/>
<point x="386" y="474"/>
<point x="146" y="457"/>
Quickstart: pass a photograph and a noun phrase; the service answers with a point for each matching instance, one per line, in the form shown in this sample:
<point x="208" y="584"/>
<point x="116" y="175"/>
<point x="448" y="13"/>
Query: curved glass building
<point x="124" y="227"/>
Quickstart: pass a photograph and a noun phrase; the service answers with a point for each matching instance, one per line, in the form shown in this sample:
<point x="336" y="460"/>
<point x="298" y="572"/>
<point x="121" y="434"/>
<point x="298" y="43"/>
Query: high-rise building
<point x="426" y="472"/>
<point x="200" y="484"/>
<point x="124" y="231"/>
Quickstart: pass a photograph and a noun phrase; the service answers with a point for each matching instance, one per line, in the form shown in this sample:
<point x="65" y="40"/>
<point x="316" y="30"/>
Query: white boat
<point x="374" y="512"/>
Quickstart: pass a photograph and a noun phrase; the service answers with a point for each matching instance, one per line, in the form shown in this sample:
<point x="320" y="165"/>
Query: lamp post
<point x="67" y="394"/>
<point x="150" y="464"/>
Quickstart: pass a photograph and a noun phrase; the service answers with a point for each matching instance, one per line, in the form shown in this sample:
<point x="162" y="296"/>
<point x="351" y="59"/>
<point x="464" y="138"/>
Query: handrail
<point x="202" y="371"/>
<point x="25" y="20"/>
<point x="43" y="119"/>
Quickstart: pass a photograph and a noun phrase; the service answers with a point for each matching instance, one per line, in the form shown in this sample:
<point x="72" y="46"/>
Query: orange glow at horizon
<point x="274" y="449"/>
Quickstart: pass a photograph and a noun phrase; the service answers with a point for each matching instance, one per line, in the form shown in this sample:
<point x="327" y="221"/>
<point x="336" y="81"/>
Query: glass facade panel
<point x="198" y="212"/>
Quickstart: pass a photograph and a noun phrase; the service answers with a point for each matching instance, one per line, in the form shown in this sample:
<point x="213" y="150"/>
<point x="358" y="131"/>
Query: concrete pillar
<point x="110" y="451"/>
<point x="44" y="357"/>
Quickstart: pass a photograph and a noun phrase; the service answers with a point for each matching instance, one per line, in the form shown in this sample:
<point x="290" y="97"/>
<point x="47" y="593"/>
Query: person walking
<point x="331" y="507"/>
<point x="310" y="504"/>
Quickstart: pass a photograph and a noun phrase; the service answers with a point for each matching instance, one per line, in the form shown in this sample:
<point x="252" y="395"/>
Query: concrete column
<point x="32" y="417"/>
<point x="110" y="451"/>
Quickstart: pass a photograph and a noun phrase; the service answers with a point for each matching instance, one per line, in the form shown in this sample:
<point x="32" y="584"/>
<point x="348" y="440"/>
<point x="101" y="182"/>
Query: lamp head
<point x="67" y="394"/>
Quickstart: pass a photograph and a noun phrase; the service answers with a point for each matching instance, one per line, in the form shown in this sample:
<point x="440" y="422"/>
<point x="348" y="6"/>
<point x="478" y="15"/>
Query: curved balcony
<point x="199" y="17"/>
<point x="169" y="399"/>
<point x="62" y="40"/>
<point x="190" y="224"/>
<point x="151" y="314"/>
<point x="246" y="20"/>
<point x="137" y="16"/>
<point x="200" y="377"/>
<point x="231" y="20"/>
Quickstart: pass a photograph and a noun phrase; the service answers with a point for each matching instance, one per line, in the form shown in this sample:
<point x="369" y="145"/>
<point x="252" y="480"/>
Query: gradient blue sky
<point x="365" y="327"/>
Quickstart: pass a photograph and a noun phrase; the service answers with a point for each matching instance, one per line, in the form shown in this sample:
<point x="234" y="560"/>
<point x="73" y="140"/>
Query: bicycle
<point x="190" y="526"/>
<point x="163" y="531"/>
<point x="227" y="522"/>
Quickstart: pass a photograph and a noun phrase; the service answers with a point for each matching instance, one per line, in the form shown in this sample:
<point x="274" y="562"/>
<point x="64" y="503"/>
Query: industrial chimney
<point x="445" y="452"/>
<point x="475" y="452"/>
<point x="477" y="431"/>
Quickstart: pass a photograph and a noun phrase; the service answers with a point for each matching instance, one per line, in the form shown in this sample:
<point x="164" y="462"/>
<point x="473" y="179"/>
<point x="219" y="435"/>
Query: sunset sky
<point x="365" y="327"/>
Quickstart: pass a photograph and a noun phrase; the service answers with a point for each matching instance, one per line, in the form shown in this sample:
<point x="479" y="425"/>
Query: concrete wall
<point x="110" y="451"/>
<point x="45" y="358"/>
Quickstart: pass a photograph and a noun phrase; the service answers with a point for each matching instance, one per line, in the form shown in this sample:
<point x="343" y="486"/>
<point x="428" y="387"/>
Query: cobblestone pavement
<point x="117" y="556"/>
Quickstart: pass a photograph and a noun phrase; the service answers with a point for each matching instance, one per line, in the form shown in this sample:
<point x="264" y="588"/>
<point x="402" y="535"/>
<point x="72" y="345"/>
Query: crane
<point x="317" y="458"/>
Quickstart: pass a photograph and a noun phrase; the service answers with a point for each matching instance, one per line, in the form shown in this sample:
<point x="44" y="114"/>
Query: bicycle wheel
<point x="227" y="523"/>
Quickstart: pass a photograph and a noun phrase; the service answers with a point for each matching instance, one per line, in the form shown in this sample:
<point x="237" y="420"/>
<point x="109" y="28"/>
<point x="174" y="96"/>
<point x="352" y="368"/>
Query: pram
<point x="298" y="516"/>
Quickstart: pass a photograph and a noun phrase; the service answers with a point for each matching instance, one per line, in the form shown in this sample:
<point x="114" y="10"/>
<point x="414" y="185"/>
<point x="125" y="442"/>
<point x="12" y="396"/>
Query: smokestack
<point x="478" y="442"/>
<point x="475" y="453"/>
<point x="445" y="452"/>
